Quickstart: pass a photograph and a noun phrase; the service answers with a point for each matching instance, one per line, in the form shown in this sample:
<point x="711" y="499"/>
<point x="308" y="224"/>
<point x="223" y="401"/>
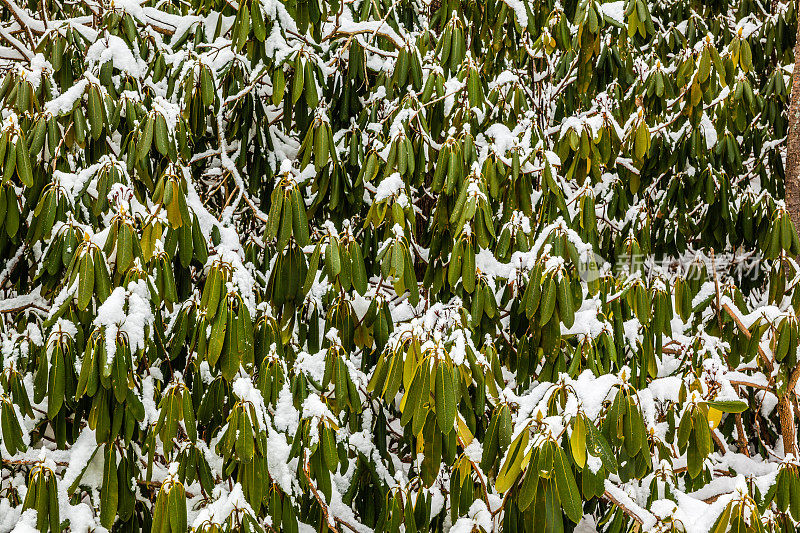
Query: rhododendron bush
<point x="372" y="265"/>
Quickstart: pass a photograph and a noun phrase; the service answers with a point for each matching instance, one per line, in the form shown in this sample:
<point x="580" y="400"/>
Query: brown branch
<point x="610" y="497"/>
<point x="739" y="382"/>
<point x="792" y="176"/>
<point x="742" y="440"/>
<point x="156" y="485"/>
<point x="14" y="8"/>
<point x="785" y="409"/>
<point x="323" y="506"/>
<point x="160" y="26"/>
<point x="718" y="441"/>
<point x="18" y="46"/>
<point x="340" y="32"/>
<point x="25" y="462"/>
<point x="763" y="356"/>
<point x="22" y="307"/>
<point x="792" y="185"/>
<point x="793" y="379"/>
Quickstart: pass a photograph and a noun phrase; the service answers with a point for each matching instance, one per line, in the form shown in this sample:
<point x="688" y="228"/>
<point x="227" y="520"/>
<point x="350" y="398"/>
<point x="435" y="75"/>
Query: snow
<point x="170" y="111"/>
<point x="34" y="298"/>
<point x="243" y="388"/>
<point x="151" y="411"/>
<point x="80" y="454"/>
<point x="281" y="469"/>
<point x="666" y="389"/>
<point x="74" y="184"/>
<point x="114" y="49"/>
<point x="346" y="25"/>
<point x="390" y="186"/>
<point x="519" y="10"/>
<point x="313" y="365"/>
<point x="26" y="523"/>
<point x="126" y="312"/>
<point x="478" y="516"/>
<point x="698" y="516"/>
<point x="614" y="10"/>
<point x="706" y="290"/>
<point x="314" y="408"/>
<point x="503" y="139"/>
<point x="286" y="417"/>
<point x="709" y="131"/>
<point x="39" y="66"/>
<point x="222" y="505"/>
<point x="592" y="392"/>
<point x="648" y="520"/>
<point x="438" y="326"/>
<point x="65" y="102"/>
<point x="586" y="525"/>
<point x="586" y="322"/>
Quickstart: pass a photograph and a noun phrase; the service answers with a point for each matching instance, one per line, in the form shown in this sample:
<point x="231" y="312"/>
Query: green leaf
<point x="217" y="338"/>
<point x="332" y="258"/>
<point x="299" y="218"/>
<point x="145" y="139"/>
<point x="24" y="163"/>
<point x="723" y="521"/>
<point x="512" y="466"/>
<point x="548" y="304"/>
<point x="445" y="395"/>
<point x="177" y="508"/>
<point x="109" y="492"/>
<point x="598" y="446"/>
<point x="694" y="459"/>
<point x="414" y="393"/>
<point x="577" y="441"/>
<point x="297" y="80"/>
<point x="56" y="383"/>
<point x="527" y="492"/>
<point x="95" y="108"/>
<point x="310" y="84"/>
<point x="161" y="134"/>
<point x="124" y="247"/>
<point x="259" y="28"/>
<point x="85" y="281"/>
<point x="188" y="416"/>
<point x="206" y="86"/>
<point x="794" y="494"/>
<point x="727" y="406"/>
<point x="568" y="493"/>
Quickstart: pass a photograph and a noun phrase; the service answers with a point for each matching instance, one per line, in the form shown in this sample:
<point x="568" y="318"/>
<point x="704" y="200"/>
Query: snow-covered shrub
<point x="291" y="265"/>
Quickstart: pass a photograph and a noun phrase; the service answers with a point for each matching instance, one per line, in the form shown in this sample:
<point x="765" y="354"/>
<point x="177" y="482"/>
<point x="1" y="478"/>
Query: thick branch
<point x="792" y="182"/>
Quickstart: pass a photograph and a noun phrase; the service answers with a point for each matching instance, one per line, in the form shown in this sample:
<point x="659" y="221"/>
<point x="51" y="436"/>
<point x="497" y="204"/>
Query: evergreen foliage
<point x="372" y="265"/>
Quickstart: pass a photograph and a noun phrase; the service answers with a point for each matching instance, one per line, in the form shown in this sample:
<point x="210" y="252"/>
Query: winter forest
<point x="461" y="266"/>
